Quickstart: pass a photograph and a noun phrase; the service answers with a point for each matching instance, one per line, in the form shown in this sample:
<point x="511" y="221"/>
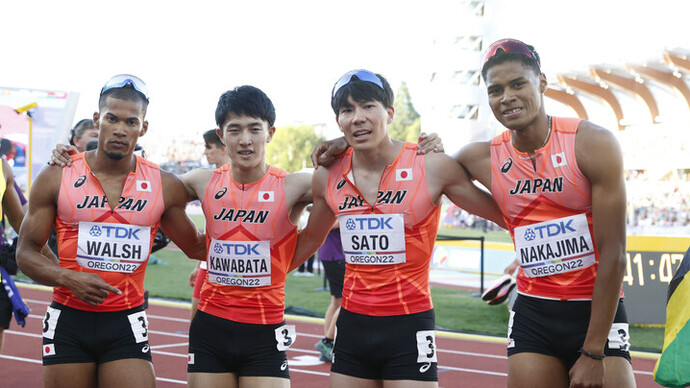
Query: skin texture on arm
<point x="298" y="194"/>
<point x="475" y="158"/>
<point x="600" y="159"/>
<point x="175" y="222"/>
<point x="195" y="183"/>
<point x="445" y="176"/>
<point x="33" y="234"/>
<point x="320" y="221"/>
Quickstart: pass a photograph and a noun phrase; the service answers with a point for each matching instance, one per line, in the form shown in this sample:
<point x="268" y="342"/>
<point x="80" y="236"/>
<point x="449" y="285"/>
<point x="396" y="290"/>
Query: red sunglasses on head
<point x="509" y="46"/>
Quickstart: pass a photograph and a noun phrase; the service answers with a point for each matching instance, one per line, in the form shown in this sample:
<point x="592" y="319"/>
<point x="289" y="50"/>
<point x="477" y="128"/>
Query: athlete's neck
<point x="377" y="158"/>
<point x="533" y="136"/>
<point x="99" y="163"/>
<point x="250" y="175"/>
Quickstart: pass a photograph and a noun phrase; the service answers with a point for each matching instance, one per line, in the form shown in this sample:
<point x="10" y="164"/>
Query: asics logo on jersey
<point x="507" y="165"/>
<point x="221" y="193"/>
<point x="340" y="184"/>
<point x="80" y="182"/>
<point x="145" y="349"/>
<point x="425" y="367"/>
<point x="284" y="365"/>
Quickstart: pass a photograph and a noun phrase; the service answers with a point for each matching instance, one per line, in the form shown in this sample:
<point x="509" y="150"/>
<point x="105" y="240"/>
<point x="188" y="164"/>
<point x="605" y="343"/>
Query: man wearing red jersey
<point x="387" y="199"/>
<point x="107" y="207"/>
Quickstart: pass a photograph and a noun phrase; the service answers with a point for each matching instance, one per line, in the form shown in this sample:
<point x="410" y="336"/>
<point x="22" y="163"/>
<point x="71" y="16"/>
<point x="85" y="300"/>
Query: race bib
<point x="373" y="238"/>
<point x="113" y="247"/>
<point x="239" y="263"/>
<point x="555" y="247"/>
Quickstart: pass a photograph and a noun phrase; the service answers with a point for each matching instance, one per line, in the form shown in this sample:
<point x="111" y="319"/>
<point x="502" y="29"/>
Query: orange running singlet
<point x="388" y="245"/>
<point x="115" y="244"/>
<point x="251" y="243"/>
<point x="549" y="214"/>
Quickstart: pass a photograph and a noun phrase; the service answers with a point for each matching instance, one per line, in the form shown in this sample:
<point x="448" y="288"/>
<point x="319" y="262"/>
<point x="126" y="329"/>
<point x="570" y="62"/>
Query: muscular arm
<point x="447" y="177"/>
<point x="33" y="234"/>
<point x="320" y="221"/>
<point x="601" y="161"/>
<point x="175" y="222"/>
<point x="195" y="183"/>
<point x="475" y="158"/>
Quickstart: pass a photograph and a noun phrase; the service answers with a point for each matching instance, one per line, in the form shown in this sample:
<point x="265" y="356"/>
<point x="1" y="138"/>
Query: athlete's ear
<point x="144" y="128"/>
<point x="219" y="132"/>
<point x="543" y="85"/>
<point x="97" y="124"/>
<point x="271" y="132"/>
<point x="391" y="113"/>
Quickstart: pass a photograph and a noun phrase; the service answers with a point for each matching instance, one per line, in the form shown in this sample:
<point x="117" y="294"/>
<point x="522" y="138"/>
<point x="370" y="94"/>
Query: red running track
<point x="464" y="360"/>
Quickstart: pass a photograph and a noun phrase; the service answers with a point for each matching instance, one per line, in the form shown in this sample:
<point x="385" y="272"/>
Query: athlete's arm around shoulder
<point x="195" y="183"/>
<point x="175" y="222"/>
<point x="33" y="234"/>
<point x="297" y="194"/>
<point x="446" y="176"/>
<point x="475" y="158"/>
<point x="600" y="159"/>
<point x="320" y="221"/>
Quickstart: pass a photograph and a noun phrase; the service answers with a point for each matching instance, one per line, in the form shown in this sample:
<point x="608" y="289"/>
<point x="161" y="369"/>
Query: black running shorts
<point x="218" y="345"/>
<point x="558" y="328"/>
<point x="335" y="273"/>
<point x="76" y="336"/>
<point x="399" y="347"/>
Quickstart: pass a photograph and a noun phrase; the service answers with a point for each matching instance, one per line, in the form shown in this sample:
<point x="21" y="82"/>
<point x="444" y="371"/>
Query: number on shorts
<point x="139" y="325"/>
<point x="426" y="346"/>
<point x="285" y="337"/>
<point x="50" y="322"/>
<point x="619" y="337"/>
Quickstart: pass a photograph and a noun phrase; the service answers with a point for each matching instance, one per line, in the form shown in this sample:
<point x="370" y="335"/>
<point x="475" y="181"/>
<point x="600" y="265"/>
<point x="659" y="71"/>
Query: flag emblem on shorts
<point x="558" y="159"/>
<point x="143" y="186"/>
<point x="190" y="359"/>
<point x="403" y="174"/>
<point x="49" y="350"/>
<point x="266" y="196"/>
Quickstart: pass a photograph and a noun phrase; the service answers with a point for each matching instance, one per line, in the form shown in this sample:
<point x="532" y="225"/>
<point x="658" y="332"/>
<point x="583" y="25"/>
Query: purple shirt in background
<point x="332" y="248"/>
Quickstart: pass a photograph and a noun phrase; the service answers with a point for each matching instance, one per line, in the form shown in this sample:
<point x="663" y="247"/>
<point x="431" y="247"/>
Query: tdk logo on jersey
<point x="241" y="249"/>
<point x="549" y="230"/>
<point x="371" y="223"/>
<point x="217" y="248"/>
<point x="80" y="182"/>
<point x="115" y="232"/>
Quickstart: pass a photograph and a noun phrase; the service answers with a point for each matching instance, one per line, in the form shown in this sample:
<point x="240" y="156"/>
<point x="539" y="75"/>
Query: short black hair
<point x="363" y="91"/>
<point x="502" y="57"/>
<point x="211" y="137"/>
<point x="127" y="93"/>
<point x="245" y="101"/>
<point x="79" y="128"/>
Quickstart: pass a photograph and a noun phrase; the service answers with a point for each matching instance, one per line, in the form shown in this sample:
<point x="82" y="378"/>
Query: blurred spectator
<point x="82" y="133"/>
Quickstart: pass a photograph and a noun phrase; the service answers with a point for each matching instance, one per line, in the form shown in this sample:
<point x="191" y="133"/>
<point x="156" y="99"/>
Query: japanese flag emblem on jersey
<point x="558" y="159"/>
<point x="403" y="174"/>
<point x="49" y="350"/>
<point x="266" y="196"/>
<point x="143" y="186"/>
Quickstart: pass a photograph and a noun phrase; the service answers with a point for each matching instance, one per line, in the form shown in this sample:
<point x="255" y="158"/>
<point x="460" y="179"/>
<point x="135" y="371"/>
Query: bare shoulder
<point x="48" y="179"/>
<point x="596" y="149"/>
<point x="473" y="151"/>
<point x="298" y="178"/>
<point x="196" y="176"/>
<point x="298" y="185"/>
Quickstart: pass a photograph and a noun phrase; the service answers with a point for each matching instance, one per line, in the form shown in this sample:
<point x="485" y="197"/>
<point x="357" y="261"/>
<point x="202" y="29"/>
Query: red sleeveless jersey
<point x="115" y="244"/>
<point x="548" y="211"/>
<point x="251" y="243"/>
<point x="387" y="245"/>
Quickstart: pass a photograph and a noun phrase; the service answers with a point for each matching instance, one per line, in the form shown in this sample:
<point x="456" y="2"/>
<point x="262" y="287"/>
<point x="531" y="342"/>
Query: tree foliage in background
<point x="407" y="123"/>
<point x="291" y="147"/>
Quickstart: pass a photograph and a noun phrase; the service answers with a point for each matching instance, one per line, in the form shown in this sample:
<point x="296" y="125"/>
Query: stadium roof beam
<point x="597" y="90"/>
<point x="630" y="83"/>
<point x="568" y="98"/>
<point x="666" y="77"/>
<point x="679" y="60"/>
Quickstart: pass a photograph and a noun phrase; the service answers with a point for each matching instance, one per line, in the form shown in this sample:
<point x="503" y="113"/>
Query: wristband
<point x="598" y="357"/>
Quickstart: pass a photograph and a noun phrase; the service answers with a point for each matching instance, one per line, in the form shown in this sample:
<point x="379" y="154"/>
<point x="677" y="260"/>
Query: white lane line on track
<point x="171" y="380"/>
<point x="169" y="345"/>
<point x="309" y="372"/>
<point x="183" y="320"/>
<point x="482" y="372"/>
<point x="21" y="359"/>
<point x="168" y="334"/>
<point x="473" y="354"/>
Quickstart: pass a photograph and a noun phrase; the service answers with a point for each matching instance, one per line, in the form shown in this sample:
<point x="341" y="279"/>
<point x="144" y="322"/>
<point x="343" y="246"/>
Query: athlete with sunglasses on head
<point x="106" y="206"/>
<point x="387" y="199"/>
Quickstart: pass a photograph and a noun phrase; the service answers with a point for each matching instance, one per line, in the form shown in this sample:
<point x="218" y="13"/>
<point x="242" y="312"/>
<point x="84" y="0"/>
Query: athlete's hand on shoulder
<point x="89" y="287"/>
<point x="192" y="276"/>
<point x="61" y="155"/>
<point x="587" y="373"/>
<point x="326" y="151"/>
<point x="429" y="143"/>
